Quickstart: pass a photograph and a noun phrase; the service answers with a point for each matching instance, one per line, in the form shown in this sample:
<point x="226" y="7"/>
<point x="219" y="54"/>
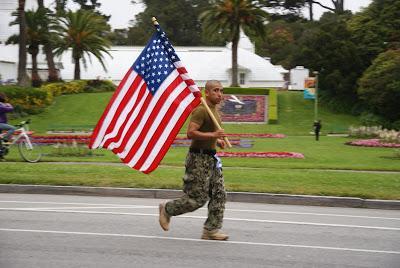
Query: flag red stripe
<point x="134" y="124"/>
<point x="172" y="135"/>
<point x="122" y="105"/>
<point x="181" y="70"/>
<point x="163" y="124"/>
<point x="103" y="116"/>
<point x="189" y="82"/>
<point x="160" y="103"/>
<point x="143" y="90"/>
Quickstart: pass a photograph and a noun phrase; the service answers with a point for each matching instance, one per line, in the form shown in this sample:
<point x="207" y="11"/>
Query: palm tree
<point x="47" y="42"/>
<point x="36" y="34"/>
<point x="84" y="32"/>
<point x="227" y="17"/>
<point x="23" y="79"/>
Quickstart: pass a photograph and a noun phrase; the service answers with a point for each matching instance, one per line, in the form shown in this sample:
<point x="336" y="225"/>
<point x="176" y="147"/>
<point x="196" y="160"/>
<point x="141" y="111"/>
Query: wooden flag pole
<point x="205" y="104"/>
<point x="203" y="101"/>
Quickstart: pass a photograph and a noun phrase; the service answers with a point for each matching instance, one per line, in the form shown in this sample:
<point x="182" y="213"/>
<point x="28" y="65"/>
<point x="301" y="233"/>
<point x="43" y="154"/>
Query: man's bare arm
<point x="194" y="133"/>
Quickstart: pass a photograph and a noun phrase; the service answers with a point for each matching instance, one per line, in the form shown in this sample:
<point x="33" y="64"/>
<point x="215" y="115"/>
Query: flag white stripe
<point x="185" y="76"/>
<point x="178" y="64"/>
<point x="156" y="123"/>
<point x="171" y="125"/>
<point x="194" y="88"/>
<point x="131" y="102"/>
<point x="111" y="112"/>
<point x="174" y="74"/>
<point x="131" y="119"/>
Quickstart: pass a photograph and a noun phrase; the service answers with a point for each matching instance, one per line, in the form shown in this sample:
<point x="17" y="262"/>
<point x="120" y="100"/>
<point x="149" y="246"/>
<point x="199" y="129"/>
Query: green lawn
<point x="315" y="174"/>
<point x="328" y="153"/>
<point x="310" y="182"/>
<point x="295" y="115"/>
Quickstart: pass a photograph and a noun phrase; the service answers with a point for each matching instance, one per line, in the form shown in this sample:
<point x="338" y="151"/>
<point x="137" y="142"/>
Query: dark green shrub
<point x="99" y="86"/>
<point x="370" y="119"/>
<point x="246" y="91"/>
<point x="27" y="100"/>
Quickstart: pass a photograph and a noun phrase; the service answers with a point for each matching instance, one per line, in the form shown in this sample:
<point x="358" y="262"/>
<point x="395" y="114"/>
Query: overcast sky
<point x="122" y="11"/>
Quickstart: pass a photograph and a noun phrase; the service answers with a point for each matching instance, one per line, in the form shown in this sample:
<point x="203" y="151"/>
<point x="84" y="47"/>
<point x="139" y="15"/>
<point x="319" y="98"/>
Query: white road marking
<point x="202" y="217"/>
<point x="203" y="241"/>
<point x="313" y="214"/>
<point x="235" y="210"/>
<point x="47" y="208"/>
<point x="64" y="203"/>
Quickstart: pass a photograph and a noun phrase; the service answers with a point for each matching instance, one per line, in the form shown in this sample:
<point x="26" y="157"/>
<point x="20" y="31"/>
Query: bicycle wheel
<point x="31" y="155"/>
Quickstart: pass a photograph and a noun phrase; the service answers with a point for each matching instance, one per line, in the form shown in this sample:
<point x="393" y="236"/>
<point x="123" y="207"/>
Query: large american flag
<point x="148" y="108"/>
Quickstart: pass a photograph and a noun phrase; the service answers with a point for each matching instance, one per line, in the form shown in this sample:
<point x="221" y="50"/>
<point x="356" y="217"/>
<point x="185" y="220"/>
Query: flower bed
<point x="84" y="139"/>
<point x="373" y="143"/>
<point x="261" y="154"/>
<point x="80" y="139"/>
<point x="257" y="135"/>
<point x="248" y="135"/>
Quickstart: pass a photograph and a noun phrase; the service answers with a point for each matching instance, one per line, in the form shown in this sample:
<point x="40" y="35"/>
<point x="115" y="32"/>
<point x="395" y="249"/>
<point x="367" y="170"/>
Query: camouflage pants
<point x="202" y="181"/>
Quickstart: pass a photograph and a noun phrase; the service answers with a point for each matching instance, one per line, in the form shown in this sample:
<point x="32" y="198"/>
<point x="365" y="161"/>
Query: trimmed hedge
<point x="246" y="91"/>
<point x="30" y="100"/>
<point x="273" y="107"/>
<point x="27" y="100"/>
<point x="79" y="86"/>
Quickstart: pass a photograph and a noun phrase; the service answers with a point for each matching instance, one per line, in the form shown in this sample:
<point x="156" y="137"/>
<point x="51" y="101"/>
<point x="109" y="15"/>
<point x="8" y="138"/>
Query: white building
<point x="297" y="77"/>
<point x="202" y="63"/>
<point x="6" y="8"/>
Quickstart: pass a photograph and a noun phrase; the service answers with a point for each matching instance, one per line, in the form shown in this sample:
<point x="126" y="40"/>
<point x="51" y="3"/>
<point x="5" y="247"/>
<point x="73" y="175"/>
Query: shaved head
<point x="212" y="84"/>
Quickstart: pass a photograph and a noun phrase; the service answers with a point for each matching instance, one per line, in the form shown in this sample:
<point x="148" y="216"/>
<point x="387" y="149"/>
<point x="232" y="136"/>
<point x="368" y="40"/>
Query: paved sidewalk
<point x="307" y="200"/>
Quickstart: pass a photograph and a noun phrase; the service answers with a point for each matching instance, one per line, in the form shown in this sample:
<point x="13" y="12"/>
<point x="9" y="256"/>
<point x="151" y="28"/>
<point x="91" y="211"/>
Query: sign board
<point x="309" y="88"/>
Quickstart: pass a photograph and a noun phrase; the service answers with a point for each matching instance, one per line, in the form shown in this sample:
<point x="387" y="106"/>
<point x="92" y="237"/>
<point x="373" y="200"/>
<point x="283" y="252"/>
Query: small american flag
<point x="148" y="108"/>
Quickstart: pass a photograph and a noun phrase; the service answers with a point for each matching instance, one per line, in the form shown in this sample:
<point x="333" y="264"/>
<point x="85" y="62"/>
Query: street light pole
<point x="316" y="96"/>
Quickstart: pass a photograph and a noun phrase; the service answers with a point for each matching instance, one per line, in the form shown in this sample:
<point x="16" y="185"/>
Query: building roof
<point x="202" y="63"/>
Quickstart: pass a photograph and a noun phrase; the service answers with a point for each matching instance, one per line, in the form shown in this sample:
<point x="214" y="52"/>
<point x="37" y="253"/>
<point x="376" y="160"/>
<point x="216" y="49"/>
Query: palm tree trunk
<point x="36" y="81"/>
<point x="53" y="75"/>
<point x="235" y="43"/>
<point x="339" y="6"/>
<point x="77" y="71"/>
<point x="310" y="8"/>
<point x="23" y="79"/>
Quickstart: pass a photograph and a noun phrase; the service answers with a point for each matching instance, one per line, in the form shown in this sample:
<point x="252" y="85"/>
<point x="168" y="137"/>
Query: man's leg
<point x="196" y="183"/>
<point x="10" y="130"/>
<point x="216" y="208"/>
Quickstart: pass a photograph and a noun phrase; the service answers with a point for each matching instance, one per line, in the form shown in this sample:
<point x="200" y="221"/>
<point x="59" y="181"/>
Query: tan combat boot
<point x="163" y="218"/>
<point x="214" y="235"/>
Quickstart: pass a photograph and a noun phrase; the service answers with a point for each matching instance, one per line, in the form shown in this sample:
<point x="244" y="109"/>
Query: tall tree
<point x="337" y="5"/>
<point x="23" y="79"/>
<point x="47" y="43"/>
<point x="380" y="86"/>
<point x="83" y="31"/>
<point x="326" y="46"/>
<point x="179" y="19"/>
<point x="376" y="29"/>
<point x="228" y="17"/>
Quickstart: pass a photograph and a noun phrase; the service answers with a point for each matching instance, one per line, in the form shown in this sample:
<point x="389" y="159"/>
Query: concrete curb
<point x="306" y="200"/>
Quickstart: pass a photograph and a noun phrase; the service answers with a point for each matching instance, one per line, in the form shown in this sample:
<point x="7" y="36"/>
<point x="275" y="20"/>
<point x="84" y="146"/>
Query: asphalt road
<point x="82" y="231"/>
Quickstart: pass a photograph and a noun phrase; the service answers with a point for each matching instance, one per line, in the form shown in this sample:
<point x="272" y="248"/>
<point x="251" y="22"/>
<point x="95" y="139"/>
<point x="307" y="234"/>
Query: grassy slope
<point x="295" y="115"/>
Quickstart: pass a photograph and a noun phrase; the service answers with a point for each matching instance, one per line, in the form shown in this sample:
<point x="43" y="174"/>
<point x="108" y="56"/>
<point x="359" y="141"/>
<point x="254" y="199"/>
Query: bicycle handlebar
<point x="22" y="123"/>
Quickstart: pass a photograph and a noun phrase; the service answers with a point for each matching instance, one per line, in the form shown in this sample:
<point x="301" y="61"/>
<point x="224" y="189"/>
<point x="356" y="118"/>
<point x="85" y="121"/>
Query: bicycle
<point x="29" y="151"/>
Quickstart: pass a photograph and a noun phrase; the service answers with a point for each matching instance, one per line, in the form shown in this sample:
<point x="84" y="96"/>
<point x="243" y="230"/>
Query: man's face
<point x="215" y="93"/>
